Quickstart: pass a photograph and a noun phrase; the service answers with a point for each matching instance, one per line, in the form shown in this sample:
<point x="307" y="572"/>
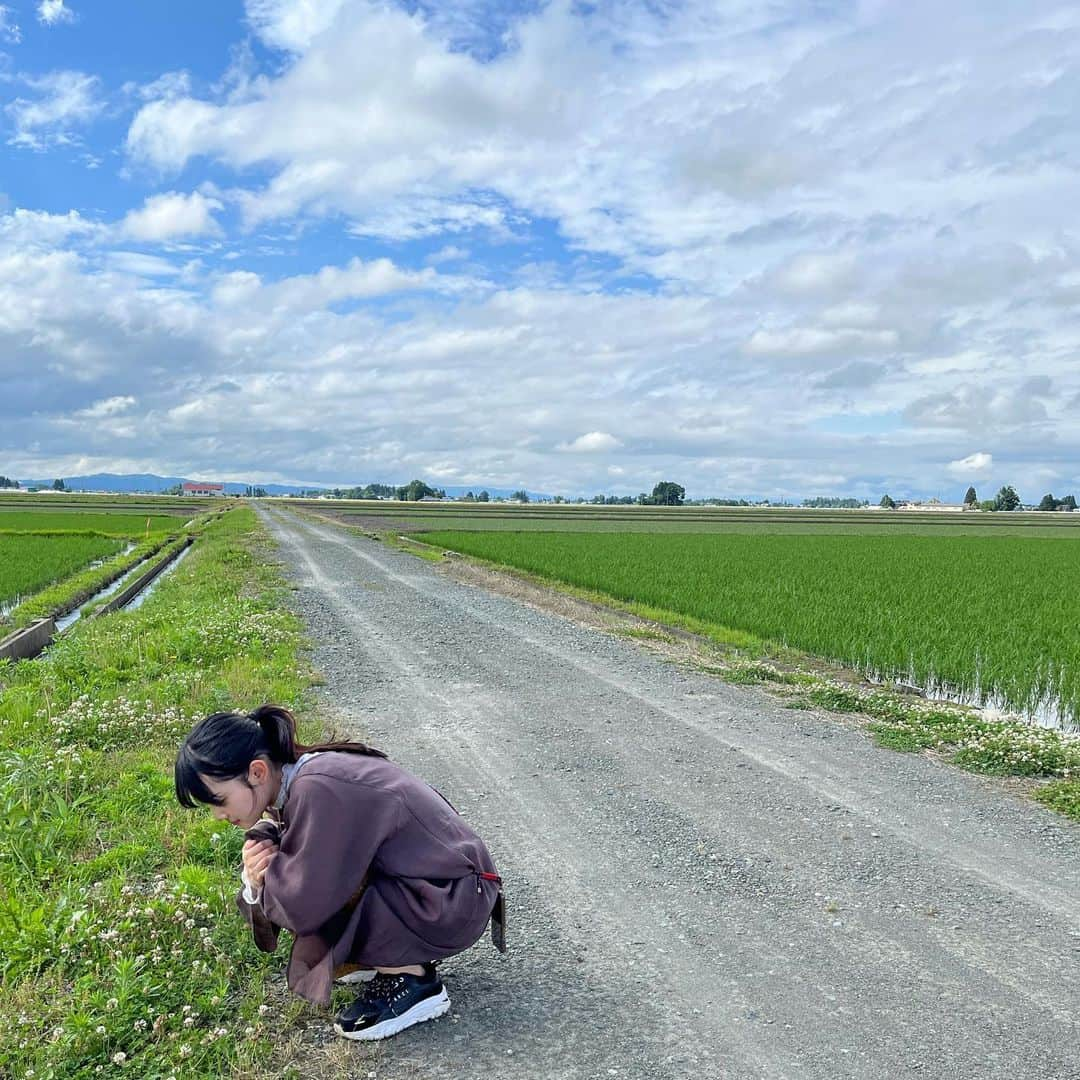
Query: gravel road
<point x="700" y="882"/>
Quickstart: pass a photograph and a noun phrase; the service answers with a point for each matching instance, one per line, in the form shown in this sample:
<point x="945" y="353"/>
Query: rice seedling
<point x="30" y="562"/>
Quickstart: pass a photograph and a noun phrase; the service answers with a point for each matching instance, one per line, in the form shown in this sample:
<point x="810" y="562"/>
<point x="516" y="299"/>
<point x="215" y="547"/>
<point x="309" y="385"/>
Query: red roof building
<point x="202" y="489"/>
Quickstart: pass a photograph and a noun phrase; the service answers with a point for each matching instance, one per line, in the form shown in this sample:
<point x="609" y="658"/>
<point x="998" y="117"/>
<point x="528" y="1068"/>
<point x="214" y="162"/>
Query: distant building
<point x="202" y="489"/>
<point x="933" y="505"/>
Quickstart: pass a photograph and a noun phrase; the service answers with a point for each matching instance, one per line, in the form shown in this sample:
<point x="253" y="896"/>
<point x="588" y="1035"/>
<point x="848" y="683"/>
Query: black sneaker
<point x="391" y="1003"/>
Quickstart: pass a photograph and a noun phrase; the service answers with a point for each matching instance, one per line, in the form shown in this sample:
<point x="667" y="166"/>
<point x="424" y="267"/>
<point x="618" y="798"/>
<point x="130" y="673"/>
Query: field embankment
<point x="121" y="945"/>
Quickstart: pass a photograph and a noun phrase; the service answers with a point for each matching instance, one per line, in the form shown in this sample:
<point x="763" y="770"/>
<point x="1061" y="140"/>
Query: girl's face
<point x="242" y="805"/>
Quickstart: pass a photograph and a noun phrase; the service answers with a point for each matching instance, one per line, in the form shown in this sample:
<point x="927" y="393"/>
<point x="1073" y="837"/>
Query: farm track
<point x="700" y="883"/>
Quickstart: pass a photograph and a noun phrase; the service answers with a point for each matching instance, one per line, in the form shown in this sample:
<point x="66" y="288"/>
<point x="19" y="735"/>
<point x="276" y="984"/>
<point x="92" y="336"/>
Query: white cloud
<point x="979" y="462"/>
<point x="357" y="280"/>
<point x="591" y="443"/>
<point x="809" y="341"/>
<point x="172" y="214"/>
<point x="107" y="407"/>
<point x="51" y="12"/>
<point x="292" y="24"/>
<point x="67" y="99"/>
<point x="34" y="228"/>
<point x="9" y="29"/>
<point x="134" y="262"/>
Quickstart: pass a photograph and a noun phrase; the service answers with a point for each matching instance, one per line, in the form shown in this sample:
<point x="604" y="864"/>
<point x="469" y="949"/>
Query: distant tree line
<point x="5" y="482"/>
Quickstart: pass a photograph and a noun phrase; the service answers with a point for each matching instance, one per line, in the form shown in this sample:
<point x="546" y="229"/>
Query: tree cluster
<point x="5" y="482"/>
<point x="666" y="493"/>
<point x="415" y="490"/>
<point x="1050" y="503"/>
<point x="1007" y="499"/>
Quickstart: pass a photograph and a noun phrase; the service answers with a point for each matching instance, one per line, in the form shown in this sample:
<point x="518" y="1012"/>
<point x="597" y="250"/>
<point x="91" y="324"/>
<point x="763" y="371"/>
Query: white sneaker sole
<point x="428" y="1009"/>
<point x="364" y="975"/>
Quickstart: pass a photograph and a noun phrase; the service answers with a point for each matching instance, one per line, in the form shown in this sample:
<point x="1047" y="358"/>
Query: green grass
<point x="1062" y="796"/>
<point x="29" y="563"/>
<point x="117" y="911"/>
<point x="991" y="615"/>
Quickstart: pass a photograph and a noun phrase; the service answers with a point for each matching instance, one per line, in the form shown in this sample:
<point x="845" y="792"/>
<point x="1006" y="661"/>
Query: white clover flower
<point x="119" y="1057"/>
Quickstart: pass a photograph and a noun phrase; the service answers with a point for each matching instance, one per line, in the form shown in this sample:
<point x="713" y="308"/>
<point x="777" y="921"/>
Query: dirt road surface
<point x="700" y="882"/>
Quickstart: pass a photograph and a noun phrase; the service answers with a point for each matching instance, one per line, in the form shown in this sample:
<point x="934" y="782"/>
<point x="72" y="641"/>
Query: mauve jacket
<point x="352" y="821"/>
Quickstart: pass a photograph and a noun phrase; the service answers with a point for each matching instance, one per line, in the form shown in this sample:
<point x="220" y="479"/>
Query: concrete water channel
<point x="128" y="591"/>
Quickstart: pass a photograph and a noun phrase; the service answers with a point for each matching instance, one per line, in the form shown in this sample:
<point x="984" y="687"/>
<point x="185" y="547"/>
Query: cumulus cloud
<point x="979" y="462"/>
<point x="51" y="12"/>
<point x="590" y="443"/>
<point x="172" y="214"/>
<point x="66" y="100"/>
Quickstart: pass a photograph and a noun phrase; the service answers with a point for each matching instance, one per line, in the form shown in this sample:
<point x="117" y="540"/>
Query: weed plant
<point x="122" y="948"/>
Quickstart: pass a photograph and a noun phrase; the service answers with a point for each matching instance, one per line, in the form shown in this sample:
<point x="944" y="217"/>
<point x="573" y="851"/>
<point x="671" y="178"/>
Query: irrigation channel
<point x="129" y="591"/>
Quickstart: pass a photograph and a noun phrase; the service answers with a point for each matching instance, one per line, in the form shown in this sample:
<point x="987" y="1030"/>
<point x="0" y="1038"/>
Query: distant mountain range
<point x="150" y="482"/>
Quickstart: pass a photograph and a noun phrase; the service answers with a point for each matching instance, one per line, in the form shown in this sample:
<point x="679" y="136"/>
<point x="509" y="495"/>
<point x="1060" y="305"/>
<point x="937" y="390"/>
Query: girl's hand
<point x="258" y="854"/>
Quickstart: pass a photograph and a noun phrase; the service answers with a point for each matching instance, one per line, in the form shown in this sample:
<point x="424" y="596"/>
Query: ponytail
<point x="224" y="744"/>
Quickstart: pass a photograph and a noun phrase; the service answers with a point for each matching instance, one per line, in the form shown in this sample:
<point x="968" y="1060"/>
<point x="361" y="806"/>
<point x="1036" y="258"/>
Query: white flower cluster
<point x="116" y="724"/>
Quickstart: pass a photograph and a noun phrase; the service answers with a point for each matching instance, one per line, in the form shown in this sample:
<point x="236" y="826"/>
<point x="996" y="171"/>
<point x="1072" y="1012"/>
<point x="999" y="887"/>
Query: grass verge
<point x="122" y="949"/>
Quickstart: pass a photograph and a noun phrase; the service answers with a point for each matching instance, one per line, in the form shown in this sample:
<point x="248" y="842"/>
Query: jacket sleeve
<point x="264" y="932"/>
<point x="334" y="833"/>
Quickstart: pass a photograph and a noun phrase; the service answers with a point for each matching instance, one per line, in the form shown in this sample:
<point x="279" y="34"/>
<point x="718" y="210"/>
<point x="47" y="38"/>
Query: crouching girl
<point x="373" y="871"/>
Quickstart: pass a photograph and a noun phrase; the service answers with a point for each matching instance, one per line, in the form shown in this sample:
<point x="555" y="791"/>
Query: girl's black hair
<point x="224" y="744"/>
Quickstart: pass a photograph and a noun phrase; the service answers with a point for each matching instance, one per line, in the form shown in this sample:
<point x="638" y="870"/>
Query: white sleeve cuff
<point x="251" y="895"/>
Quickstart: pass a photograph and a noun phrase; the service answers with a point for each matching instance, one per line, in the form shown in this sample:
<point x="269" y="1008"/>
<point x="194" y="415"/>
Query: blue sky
<point x="791" y="249"/>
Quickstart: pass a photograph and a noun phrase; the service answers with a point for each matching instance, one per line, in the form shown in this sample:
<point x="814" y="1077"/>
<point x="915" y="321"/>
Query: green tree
<point x="483" y="497"/>
<point x="1007" y="499"/>
<point x="414" y="491"/>
<point x="58" y="485"/>
<point x="970" y="498"/>
<point x="6" y="482"/>
<point x="1048" y="502"/>
<point x="522" y="496"/>
<point x="1068" y="503"/>
<point x="887" y="502"/>
<point x="667" y="493"/>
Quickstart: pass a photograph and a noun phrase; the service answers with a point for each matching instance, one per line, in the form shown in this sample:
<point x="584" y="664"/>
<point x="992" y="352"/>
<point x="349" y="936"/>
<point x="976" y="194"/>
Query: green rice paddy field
<point x="30" y="562"/>
<point x="992" y="616"/>
<point x="42" y="544"/>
